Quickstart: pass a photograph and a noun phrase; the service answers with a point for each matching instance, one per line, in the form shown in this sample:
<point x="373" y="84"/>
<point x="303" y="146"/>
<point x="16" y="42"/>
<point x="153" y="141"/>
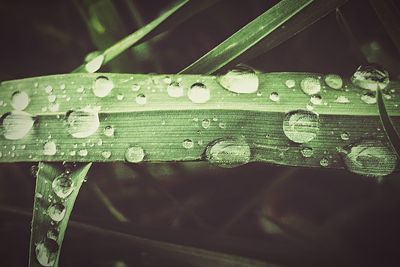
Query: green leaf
<point x="51" y="210"/>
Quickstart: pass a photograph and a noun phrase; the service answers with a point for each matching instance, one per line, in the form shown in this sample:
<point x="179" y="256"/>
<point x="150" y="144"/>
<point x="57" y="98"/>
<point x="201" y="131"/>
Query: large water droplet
<point x="228" y="152"/>
<point x="102" y="86"/>
<point x="56" y="212"/>
<point x="301" y="126"/>
<point x="370" y="158"/>
<point x="310" y="85"/>
<point x="63" y="186"/>
<point x="50" y="148"/>
<point x="174" y="89"/>
<point x="241" y="79"/>
<point x="334" y="81"/>
<point x="19" y="100"/>
<point x="134" y="154"/>
<point x="46" y="252"/>
<point x="16" y="124"/>
<point x="199" y="93"/>
<point x="370" y="77"/>
<point x="94" y="64"/>
<point x="83" y="123"/>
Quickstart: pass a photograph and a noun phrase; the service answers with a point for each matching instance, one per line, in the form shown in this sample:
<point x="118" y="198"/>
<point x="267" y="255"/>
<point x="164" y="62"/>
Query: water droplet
<point x="222" y="125"/>
<point x="290" y="83"/>
<point x="141" y="99"/>
<point x="82" y="123"/>
<point x="316" y="99"/>
<point x="228" y="152"/>
<point x="102" y="86"/>
<point x="19" y="100"/>
<point x="310" y="85"/>
<point x="242" y="79"/>
<point x="174" y="89"/>
<point x="206" y="123"/>
<point x="120" y="97"/>
<point x="342" y="100"/>
<point x="56" y="212"/>
<point x="274" y="96"/>
<point x="94" y="64"/>
<point x="80" y="89"/>
<point x="199" y="93"/>
<point x="187" y="143"/>
<point x="307" y="152"/>
<point x="83" y="152"/>
<point x="167" y="80"/>
<point x="109" y="131"/>
<point x="63" y="185"/>
<point x="334" y="81"/>
<point x="134" y="154"/>
<point x="370" y="77"/>
<point x="51" y="98"/>
<point x="48" y="89"/>
<point x="345" y="136"/>
<point x="16" y="124"/>
<point x="369" y="98"/>
<point x="52" y="234"/>
<point x="301" y="126"/>
<point x="46" y="252"/>
<point x="135" y="87"/>
<point x="106" y="154"/>
<point x="324" y="162"/>
<point x="50" y="148"/>
<point x="370" y="158"/>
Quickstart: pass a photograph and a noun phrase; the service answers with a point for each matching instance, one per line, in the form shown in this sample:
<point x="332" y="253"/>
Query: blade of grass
<point x="177" y="13"/>
<point x="388" y="12"/>
<point x="51" y="213"/>
<point x="387" y="123"/>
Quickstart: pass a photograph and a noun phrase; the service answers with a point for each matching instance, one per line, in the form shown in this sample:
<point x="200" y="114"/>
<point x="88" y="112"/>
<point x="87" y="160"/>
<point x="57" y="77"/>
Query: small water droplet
<point x="106" y="154"/>
<point x="56" y="212"/>
<point x="80" y="89"/>
<point x="274" y="96"/>
<point x="62" y="185"/>
<point x="228" y="152"/>
<point x="290" y="83"/>
<point x="342" y="99"/>
<point x="83" y="152"/>
<point x="16" y="124"/>
<point x="48" y="89"/>
<point x="199" y="93"/>
<point x="316" y="99"/>
<point x="19" y="100"/>
<point x="134" y="154"/>
<point x="52" y="234"/>
<point x="222" y="125"/>
<point x="307" y="152"/>
<point x="109" y="131"/>
<point x="370" y="77"/>
<point x="301" y="126"/>
<point x="310" y="85"/>
<point x="167" y="80"/>
<point x="46" y="252"/>
<point x="94" y="64"/>
<point x="187" y="143"/>
<point x="345" y="136"/>
<point x="334" y="81"/>
<point x="174" y="89"/>
<point x="141" y="99"/>
<point x="324" y="162"/>
<point x="102" y="86"/>
<point x="50" y="148"/>
<point x="51" y="98"/>
<point x="370" y="158"/>
<point x="369" y="98"/>
<point x="83" y="123"/>
<point x="206" y="123"/>
<point x="135" y="87"/>
<point x="242" y="79"/>
<point x="120" y="97"/>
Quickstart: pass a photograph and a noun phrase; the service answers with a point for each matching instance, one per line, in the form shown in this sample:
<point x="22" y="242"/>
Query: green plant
<point x="228" y="119"/>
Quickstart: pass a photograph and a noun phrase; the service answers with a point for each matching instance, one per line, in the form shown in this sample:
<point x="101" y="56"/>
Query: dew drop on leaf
<point x="370" y="77"/>
<point x="316" y="99"/>
<point x="310" y="85"/>
<point x="102" y="86"/>
<point x="187" y="143"/>
<point x="134" y="154"/>
<point x="242" y="79"/>
<point x="369" y="98"/>
<point x="106" y="154"/>
<point x="141" y="99"/>
<point x="228" y="152"/>
<point x="174" y="89"/>
<point x="82" y="123"/>
<point x="46" y="252"/>
<point x="16" y="124"/>
<point x="83" y="152"/>
<point x="334" y="81"/>
<point x="342" y="100"/>
<point x="62" y="186"/>
<point x="290" y="83"/>
<point x="301" y="126"/>
<point x="135" y="87"/>
<point x="199" y="93"/>
<point x="344" y="136"/>
<point x="307" y="152"/>
<point x="94" y="64"/>
<point x="20" y="100"/>
<point x="50" y="148"/>
<point x="324" y="162"/>
<point x="52" y="234"/>
<point x="205" y="123"/>
<point x="274" y="96"/>
<point x="109" y="131"/>
<point x="56" y="212"/>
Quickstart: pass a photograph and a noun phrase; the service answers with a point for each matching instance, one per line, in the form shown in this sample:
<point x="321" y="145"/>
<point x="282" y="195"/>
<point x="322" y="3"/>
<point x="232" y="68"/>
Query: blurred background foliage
<point x="345" y="218"/>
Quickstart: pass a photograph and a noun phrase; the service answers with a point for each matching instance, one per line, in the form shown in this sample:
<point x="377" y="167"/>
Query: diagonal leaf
<point x="51" y="212"/>
<point x="270" y="29"/>
<point x="387" y="123"/>
<point x="176" y="14"/>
